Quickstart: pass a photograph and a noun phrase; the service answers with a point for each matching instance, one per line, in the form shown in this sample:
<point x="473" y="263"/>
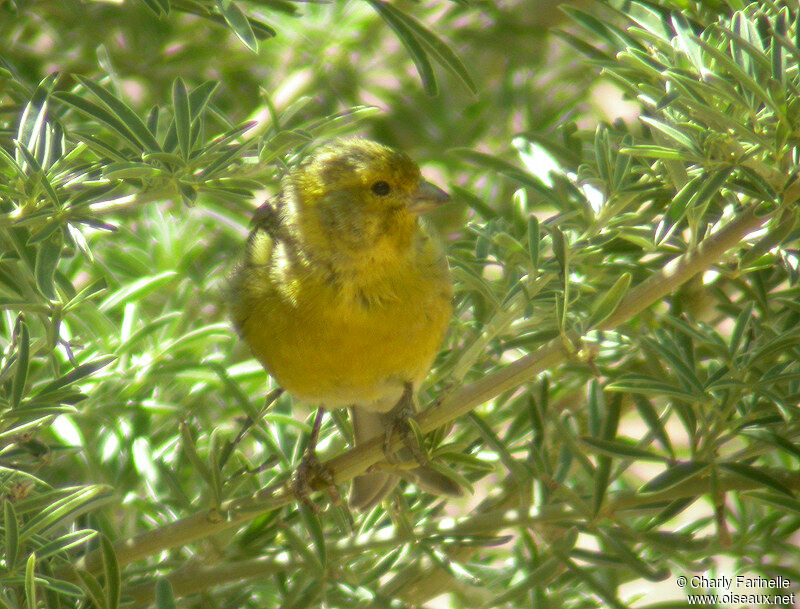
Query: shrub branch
<point x="447" y="408"/>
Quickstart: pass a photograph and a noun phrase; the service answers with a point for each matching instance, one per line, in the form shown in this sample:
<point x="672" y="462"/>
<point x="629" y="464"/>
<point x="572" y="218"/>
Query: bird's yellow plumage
<point x="342" y="295"/>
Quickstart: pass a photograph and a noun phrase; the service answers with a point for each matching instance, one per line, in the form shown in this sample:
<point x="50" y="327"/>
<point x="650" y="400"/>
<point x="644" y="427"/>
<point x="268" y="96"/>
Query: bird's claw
<point x="311" y="475"/>
<point x="401" y="425"/>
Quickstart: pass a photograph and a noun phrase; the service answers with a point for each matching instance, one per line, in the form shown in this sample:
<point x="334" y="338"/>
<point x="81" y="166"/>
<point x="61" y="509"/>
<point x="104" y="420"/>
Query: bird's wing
<point x="250" y="279"/>
<point x="267" y="217"/>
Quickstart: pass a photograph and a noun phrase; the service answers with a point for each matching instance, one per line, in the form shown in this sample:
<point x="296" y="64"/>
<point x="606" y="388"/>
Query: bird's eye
<point x="381" y="188"/>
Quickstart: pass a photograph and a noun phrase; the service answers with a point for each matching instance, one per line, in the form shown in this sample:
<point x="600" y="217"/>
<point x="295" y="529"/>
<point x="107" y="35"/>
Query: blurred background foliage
<point x="136" y="137"/>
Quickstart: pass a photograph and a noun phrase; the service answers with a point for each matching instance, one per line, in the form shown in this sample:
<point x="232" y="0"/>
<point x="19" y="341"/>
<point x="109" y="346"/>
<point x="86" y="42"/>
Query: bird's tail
<point x="369" y="489"/>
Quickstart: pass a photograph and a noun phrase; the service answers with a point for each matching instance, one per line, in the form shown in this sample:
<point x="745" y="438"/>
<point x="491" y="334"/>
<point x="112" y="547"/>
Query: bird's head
<point x="356" y="197"/>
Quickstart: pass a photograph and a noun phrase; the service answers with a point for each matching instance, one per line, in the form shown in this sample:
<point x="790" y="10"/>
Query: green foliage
<point x="135" y="139"/>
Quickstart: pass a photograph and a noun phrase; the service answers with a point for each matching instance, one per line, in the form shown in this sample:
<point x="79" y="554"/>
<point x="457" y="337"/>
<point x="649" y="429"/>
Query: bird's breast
<point x="335" y="343"/>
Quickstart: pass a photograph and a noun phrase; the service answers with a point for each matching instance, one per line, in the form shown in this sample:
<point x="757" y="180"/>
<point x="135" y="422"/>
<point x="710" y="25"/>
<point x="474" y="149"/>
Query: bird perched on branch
<point x="344" y="297"/>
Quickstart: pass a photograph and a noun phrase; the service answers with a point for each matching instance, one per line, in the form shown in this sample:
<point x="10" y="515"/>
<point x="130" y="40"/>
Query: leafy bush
<point x="619" y="388"/>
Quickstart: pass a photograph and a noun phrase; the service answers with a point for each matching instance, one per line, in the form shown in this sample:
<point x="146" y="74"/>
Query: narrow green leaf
<point x="611" y="418"/>
<point x="43" y="233"/>
<point x="189" y="447"/>
<point x="222" y="162"/>
<point x="38" y="173"/>
<point x="560" y="250"/>
<point x="776" y="50"/>
<point x="797" y="31"/>
<point x="609" y="301"/>
<point x="474" y="202"/>
<point x="676" y="210"/>
<point x="104" y="149"/>
<point x="509" y="170"/>
<point x="409" y="40"/>
<point x="635" y="562"/>
<point x="77" y="502"/>
<point x="96" y="112"/>
<point x="10" y="535"/>
<point x="416" y="433"/>
<point x="595" y="405"/>
<point x="314" y="527"/>
<point x="300" y="545"/>
<point x="30" y="581"/>
<point x="655" y="152"/>
<point x="497" y="445"/>
<point x="608" y="432"/>
<point x="239" y="23"/>
<point x="129" y="170"/>
<point x="758" y="475"/>
<point x="47" y="257"/>
<point x="742" y="78"/>
<point x="671" y="132"/>
<point x="685" y="36"/>
<point x="59" y="587"/>
<point x="742" y="323"/>
<point x="440" y="49"/>
<point x="540" y="575"/>
<point x="621" y="448"/>
<point x="188" y="193"/>
<point x="124" y="113"/>
<point x="337" y="123"/>
<point x="152" y="120"/>
<point x="159" y="7"/>
<point x="622" y="167"/>
<point x="466" y="275"/>
<point x="214" y="468"/>
<point x="589" y="50"/>
<point x="65" y="542"/>
<point x="32" y="122"/>
<point x="678" y="363"/>
<point x="167" y="159"/>
<point x="668" y="513"/>
<point x="778" y="343"/>
<point x="673" y="476"/>
<point x="602" y="478"/>
<point x="23" y="355"/>
<point x="165" y="597"/>
<point x="12" y="163"/>
<point x="75" y="375"/>
<point x="710" y="186"/>
<point x="648" y="386"/>
<point x="782" y="501"/>
<point x="614" y="36"/>
<point x="601" y="159"/>
<point x="135" y="290"/>
<point x="534" y="239"/>
<point x="382" y="567"/>
<point x="171" y="139"/>
<point x="746" y="45"/>
<point x="592" y="583"/>
<point x="785" y="445"/>
<point x="111" y="571"/>
<point x="92" y="588"/>
<point x="200" y="96"/>
<point x="653" y="421"/>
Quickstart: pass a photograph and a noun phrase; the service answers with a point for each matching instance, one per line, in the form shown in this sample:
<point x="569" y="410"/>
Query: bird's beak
<point x="427" y="197"/>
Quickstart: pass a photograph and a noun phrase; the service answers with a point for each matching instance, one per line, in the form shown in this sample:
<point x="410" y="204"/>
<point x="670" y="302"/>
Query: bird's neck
<point x="374" y="265"/>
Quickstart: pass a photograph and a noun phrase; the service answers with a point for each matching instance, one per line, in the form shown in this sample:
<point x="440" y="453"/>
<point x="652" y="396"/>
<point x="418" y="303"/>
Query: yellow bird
<point x="344" y="297"/>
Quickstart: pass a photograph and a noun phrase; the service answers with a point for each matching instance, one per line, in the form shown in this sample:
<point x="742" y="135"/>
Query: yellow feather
<point x="342" y="296"/>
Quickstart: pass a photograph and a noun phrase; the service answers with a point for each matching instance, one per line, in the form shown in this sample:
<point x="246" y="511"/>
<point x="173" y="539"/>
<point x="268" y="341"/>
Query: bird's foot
<point x="310" y="476"/>
<point x="403" y="425"/>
